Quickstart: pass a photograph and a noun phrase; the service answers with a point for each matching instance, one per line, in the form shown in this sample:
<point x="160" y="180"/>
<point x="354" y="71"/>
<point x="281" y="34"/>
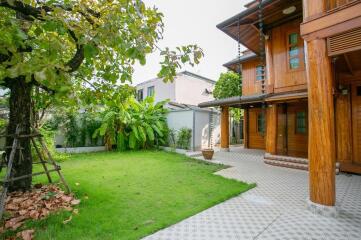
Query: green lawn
<point x="133" y="194"/>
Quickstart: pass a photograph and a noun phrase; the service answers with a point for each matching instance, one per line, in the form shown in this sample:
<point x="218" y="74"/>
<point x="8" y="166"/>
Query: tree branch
<point x="27" y="10"/>
<point x="45" y="88"/>
<point x="30" y="13"/>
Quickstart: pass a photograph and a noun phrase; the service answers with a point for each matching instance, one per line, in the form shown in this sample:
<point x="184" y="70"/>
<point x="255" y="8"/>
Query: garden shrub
<point x="172" y="138"/>
<point x="78" y="128"/>
<point x="184" y="138"/>
<point x="130" y="124"/>
<point x="48" y="138"/>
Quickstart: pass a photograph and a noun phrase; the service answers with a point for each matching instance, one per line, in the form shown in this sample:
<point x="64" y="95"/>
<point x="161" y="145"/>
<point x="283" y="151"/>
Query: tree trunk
<point x="20" y="111"/>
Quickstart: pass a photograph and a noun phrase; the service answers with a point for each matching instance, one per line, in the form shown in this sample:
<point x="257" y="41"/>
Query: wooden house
<point x="301" y="91"/>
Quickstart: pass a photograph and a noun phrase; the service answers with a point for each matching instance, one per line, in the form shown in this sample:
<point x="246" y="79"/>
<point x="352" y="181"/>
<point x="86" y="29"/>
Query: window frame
<point x="306" y="122"/>
<point x="300" y="47"/>
<point x="153" y="89"/>
<point x="260" y="75"/>
<point x="140" y="91"/>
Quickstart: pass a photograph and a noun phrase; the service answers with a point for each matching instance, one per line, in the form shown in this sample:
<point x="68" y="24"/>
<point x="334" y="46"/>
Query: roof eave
<point x="240" y="15"/>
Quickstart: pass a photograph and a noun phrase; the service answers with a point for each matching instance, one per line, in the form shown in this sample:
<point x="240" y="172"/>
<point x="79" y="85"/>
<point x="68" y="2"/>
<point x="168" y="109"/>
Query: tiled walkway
<point x="275" y="209"/>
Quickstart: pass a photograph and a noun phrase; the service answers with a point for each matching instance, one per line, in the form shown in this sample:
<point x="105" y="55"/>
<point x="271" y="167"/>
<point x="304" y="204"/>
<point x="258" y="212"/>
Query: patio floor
<point x="275" y="209"/>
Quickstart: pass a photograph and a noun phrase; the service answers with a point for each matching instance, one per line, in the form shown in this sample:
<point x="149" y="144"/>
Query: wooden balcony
<point x="342" y="16"/>
<point x="334" y="4"/>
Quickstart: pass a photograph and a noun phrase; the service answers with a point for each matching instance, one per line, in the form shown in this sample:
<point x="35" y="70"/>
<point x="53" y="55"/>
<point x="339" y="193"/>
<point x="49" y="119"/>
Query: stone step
<point x="286" y="159"/>
<point x="294" y="165"/>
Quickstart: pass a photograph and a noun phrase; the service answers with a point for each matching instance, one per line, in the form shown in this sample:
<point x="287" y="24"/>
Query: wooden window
<point x="301" y="123"/>
<point x="260" y="73"/>
<point x="295" y="51"/>
<point x="261" y="125"/>
<point x="150" y="91"/>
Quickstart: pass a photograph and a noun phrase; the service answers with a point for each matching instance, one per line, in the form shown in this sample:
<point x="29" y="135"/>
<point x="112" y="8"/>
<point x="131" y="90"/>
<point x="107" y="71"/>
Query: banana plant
<point x="133" y="125"/>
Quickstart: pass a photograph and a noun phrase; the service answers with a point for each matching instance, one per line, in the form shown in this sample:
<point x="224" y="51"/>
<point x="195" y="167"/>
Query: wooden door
<point x="356" y="122"/>
<point x="297" y="129"/>
<point x="282" y="130"/>
<point x="257" y="128"/>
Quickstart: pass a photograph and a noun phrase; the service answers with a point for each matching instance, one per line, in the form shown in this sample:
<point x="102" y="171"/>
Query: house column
<point x="271" y="129"/>
<point x="225" y="128"/>
<point x="269" y="65"/>
<point x="245" y="128"/>
<point x="321" y="141"/>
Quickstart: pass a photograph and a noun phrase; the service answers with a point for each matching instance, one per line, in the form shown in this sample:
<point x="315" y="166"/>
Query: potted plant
<point x="208" y="153"/>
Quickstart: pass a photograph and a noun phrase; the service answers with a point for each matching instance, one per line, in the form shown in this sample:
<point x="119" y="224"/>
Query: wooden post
<point x="225" y="128"/>
<point x="271" y="129"/>
<point x="269" y="66"/>
<point x="321" y="141"/>
<point x="245" y="128"/>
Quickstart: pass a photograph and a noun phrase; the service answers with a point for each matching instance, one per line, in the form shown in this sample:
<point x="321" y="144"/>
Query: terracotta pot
<point x="208" y="153"/>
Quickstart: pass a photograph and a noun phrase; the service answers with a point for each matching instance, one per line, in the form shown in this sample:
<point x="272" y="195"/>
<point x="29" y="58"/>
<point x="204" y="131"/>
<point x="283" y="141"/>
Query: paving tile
<point x="275" y="209"/>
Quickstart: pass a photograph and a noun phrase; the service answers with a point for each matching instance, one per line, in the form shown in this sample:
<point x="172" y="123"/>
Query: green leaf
<point x="121" y="142"/>
<point x="103" y="129"/>
<point x="135" y="131"/>
<point x="90" y="51"/>
<point x="157" y="130"/>
<point x="150" y="132"/>
<point x="142" y="134"/>
<point x="132" y="141"/>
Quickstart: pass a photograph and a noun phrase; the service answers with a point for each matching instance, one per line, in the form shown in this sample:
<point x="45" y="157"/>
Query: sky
<point x="194" y="22"/>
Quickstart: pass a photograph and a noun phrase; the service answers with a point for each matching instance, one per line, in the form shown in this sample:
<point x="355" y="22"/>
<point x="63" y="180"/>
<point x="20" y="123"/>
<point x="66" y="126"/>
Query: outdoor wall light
<point x="343" y="89"/>
<point x="289" y="10"/>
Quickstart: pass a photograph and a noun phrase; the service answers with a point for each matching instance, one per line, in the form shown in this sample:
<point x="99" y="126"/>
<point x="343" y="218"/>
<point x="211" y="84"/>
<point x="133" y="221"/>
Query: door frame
<point x="355" y="158"/>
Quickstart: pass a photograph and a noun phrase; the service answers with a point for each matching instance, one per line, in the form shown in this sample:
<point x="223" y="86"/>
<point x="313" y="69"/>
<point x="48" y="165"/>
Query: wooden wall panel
<point x="249" y="84"/>
<point x="297" y="143"/>
<point x="256" y="140"/>
<point x="269" y="66"/>
<point x="343" y="129"/>
<point x="285" y="78"/>
<point x="332" y="4"/>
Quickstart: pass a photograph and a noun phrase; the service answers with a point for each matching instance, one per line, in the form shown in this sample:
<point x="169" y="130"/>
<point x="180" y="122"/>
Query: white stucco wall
<point x="178" y="119"/>
<point x="202" y="130"/>
<point x="162" y="90"/>
<point x="188" y="90"/>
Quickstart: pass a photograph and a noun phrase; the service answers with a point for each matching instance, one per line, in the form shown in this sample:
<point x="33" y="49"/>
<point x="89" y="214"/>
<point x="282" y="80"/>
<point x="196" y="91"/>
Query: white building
<point x="186" y="88"/>
<point x="184" y="94"/>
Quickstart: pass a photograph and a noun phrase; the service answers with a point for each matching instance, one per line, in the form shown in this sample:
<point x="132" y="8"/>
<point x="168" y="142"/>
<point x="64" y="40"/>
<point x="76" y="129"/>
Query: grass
<point x="133" y="194"/>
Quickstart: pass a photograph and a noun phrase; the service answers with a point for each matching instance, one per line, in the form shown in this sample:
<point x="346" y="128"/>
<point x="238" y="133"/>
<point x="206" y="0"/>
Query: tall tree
<point x="228" y="85"/>
<point x="62" y="46"/>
